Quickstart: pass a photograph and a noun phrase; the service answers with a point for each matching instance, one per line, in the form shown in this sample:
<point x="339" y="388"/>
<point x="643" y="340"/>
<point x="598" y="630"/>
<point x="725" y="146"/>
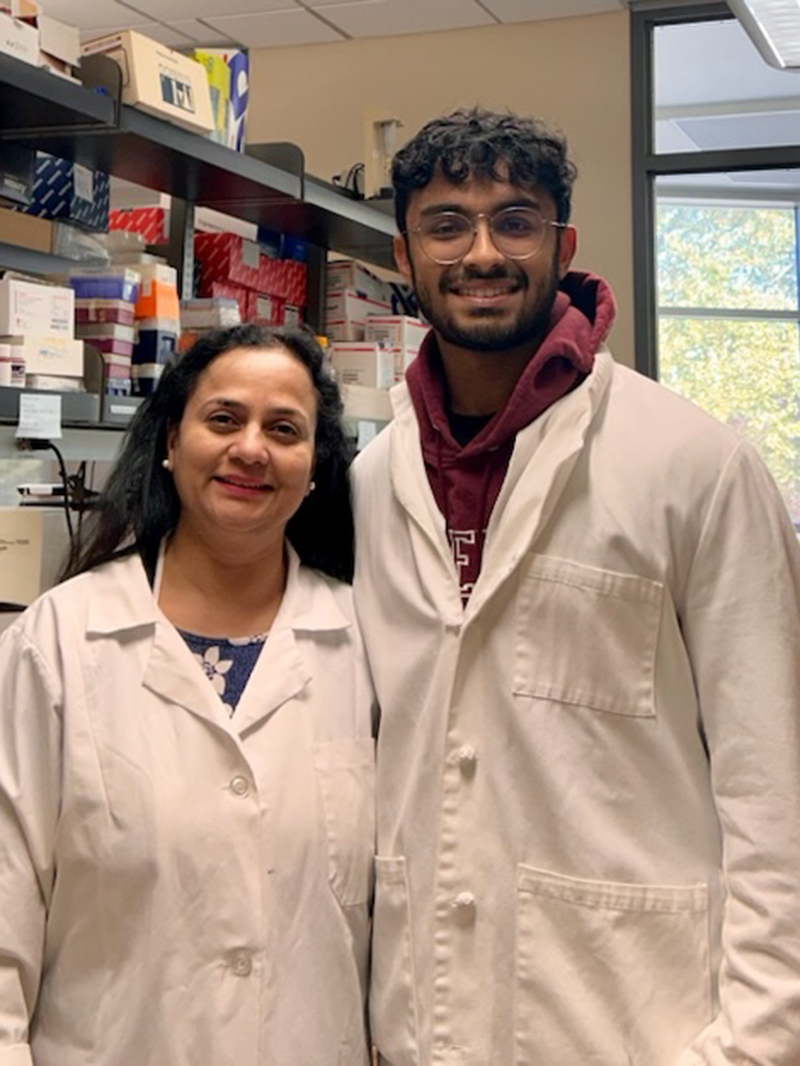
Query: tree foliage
<point x="744" y="371"/>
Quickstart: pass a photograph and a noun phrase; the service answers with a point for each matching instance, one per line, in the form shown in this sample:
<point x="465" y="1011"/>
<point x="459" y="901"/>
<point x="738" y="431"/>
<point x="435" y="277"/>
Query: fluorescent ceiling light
<point x="774" y="26"/>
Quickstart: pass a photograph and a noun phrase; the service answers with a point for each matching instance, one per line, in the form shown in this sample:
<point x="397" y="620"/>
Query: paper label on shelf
<point x="39" y="416"/>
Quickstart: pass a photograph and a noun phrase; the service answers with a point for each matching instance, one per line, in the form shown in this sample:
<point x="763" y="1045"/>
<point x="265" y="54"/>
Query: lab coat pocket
<point x="609" y="973"/>
<point x="587" y="637"/>
<point x="393" y="1011"/>
<point x="345" y="772"/>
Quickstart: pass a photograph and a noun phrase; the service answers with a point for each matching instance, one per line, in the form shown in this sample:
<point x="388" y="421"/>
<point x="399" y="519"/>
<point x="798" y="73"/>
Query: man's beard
<point x="486" y="334"/>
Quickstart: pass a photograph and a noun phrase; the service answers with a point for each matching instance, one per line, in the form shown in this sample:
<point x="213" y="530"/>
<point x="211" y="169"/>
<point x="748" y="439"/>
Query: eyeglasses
<point x="516" y="232"/>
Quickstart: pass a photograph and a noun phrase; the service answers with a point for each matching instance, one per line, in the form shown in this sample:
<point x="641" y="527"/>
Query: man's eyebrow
<point x="459" y="209"/>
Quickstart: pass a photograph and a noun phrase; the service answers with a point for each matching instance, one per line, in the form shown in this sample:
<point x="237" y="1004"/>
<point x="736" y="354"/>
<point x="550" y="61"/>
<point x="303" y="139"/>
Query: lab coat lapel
<point x="413" y="492"/>
<point x="125" y="604"/>
<point x="545" y="454"/>
<point x="284" y="667"/>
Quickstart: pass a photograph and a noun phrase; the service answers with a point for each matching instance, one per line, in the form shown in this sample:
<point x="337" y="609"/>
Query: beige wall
<point x="573" y="72"/>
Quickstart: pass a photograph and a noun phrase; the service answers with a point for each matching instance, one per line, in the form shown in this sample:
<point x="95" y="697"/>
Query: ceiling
<point x="266" y="23"/>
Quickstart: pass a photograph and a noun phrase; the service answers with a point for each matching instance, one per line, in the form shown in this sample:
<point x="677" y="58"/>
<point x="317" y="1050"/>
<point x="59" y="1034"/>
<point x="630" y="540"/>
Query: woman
<point x="186" y="821"/>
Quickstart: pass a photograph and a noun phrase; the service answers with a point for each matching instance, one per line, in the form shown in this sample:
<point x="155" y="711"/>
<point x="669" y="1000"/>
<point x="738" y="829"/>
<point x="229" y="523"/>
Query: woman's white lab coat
<point x="178" y="888"/>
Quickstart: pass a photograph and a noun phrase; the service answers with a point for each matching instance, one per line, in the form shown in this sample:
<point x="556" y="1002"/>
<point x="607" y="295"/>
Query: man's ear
<point x="401" y="255"/>
<point x="567" y="247"/>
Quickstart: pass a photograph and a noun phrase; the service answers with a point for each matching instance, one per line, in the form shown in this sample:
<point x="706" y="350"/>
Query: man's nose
<point x="483" y="250"/>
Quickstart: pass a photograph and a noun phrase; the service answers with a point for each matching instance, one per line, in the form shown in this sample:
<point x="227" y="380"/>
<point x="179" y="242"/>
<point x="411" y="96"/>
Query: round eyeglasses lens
<point x="518" y="232"/>
<point x="446" y="237"/>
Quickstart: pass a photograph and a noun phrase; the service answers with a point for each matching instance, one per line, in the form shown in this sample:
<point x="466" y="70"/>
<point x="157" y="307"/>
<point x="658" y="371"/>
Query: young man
<point x="580" y="597"/>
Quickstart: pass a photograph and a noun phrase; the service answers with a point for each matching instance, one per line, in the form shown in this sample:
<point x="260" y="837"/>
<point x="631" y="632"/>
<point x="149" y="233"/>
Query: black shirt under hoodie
<point x="466" y="480"/>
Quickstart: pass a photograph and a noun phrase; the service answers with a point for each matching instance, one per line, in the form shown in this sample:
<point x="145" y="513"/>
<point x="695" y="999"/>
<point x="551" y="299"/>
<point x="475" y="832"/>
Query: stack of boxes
<point x="37" y="327"/>
<point x="268" y="290"/>
<point x="130" y="313"/>
<point x="158" y="325"/>
<point x="371" y="346"/>
<point x="104" y="314"/>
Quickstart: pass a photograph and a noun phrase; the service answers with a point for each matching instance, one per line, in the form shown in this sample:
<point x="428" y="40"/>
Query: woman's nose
<point x="250" y="445"/>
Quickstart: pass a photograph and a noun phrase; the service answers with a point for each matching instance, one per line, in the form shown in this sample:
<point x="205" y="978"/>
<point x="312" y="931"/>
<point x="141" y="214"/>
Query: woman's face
<point x="242" y="456"/>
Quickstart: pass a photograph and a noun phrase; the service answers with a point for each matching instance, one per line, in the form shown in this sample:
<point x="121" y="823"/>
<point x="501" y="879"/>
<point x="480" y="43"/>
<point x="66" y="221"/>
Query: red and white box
<point x="397" y="331"/>
<point x="370" y="365"/>
<point x="264" y="309"/>
<point x="346" y="315"/>
<point x="349" y="274"/>
<point x="227" y="257"/>
<point x="151" y="222"/>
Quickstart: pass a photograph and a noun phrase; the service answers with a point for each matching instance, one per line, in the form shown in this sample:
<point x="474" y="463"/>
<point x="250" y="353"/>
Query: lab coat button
<point x="241" y="964"/>
<point x="467" y="758"/>
<point x="463" y="907"/>
<point x="240" y="786"/>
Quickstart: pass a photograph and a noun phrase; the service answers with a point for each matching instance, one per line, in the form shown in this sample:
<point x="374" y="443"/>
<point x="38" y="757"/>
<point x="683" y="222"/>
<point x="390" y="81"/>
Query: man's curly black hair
<point x="474" y="142"/>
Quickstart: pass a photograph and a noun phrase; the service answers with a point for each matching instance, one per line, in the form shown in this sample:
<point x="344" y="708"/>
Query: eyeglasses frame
<point x="474" y="219"/>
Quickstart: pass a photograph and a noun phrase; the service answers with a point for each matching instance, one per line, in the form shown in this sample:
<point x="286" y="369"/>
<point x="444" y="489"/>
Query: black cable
<point x="65" y="483"/>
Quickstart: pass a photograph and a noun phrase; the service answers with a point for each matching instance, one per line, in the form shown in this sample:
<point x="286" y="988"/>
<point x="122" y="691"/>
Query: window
<point x="716" y="181"/>
<point x="729" y="322"/>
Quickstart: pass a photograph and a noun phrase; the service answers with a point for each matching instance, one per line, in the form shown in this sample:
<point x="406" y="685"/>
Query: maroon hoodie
<point x="466" y="480"/>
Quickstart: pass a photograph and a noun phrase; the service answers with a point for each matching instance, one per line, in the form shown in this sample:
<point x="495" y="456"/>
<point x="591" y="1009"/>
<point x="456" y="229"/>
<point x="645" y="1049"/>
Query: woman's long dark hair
<point x="139" y="504"/>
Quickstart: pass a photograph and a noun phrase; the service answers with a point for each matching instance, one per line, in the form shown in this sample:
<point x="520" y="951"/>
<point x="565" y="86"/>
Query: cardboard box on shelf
<point x="49" y="355"/>
<point x="157" y="79"/>
<point x="398" y="331"/>
<point x="346" y="315"/>
<point x="31" y="307"/>
<point x="18" y="39"/>
<point x="65" y="190"/>
<point x="349" y="274"/>
<point x="370" y="365"/>
<point x="58" y="40"/>
<point x="25" y="231"/>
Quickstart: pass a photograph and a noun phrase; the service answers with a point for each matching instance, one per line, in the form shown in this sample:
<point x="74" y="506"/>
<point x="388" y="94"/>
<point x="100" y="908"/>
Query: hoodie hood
<point x="467" y="480"/>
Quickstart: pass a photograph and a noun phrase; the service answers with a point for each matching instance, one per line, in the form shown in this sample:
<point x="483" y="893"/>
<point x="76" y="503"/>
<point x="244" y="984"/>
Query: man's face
<point x="486" y="301"/>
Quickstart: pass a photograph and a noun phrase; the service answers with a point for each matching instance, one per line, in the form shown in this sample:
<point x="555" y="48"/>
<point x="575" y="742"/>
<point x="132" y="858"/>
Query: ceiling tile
<point x="168" y="36"/>
<point x="149" y="29"/>
<point x="91" y="14"/>
<point x="275" y="28"/>
<point x="530" y="10"/>
<point x="199" y="32"/>
<point x="383" y="18"/>
<point x="173" y="10"/>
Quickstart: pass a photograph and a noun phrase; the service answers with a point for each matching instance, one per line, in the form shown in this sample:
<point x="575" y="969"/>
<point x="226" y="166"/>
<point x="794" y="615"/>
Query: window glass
<point x="714" y="91"/>
<point x="729" y="322"/>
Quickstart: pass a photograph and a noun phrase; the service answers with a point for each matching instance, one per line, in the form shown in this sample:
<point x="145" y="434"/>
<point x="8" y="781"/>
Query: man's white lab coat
<point x="588" y="778"/>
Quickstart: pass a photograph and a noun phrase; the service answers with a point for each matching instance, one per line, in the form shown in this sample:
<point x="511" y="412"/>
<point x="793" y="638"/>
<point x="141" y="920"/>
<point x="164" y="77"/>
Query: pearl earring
<point x="166" y="464"/>
<point x="311" y="486"/>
